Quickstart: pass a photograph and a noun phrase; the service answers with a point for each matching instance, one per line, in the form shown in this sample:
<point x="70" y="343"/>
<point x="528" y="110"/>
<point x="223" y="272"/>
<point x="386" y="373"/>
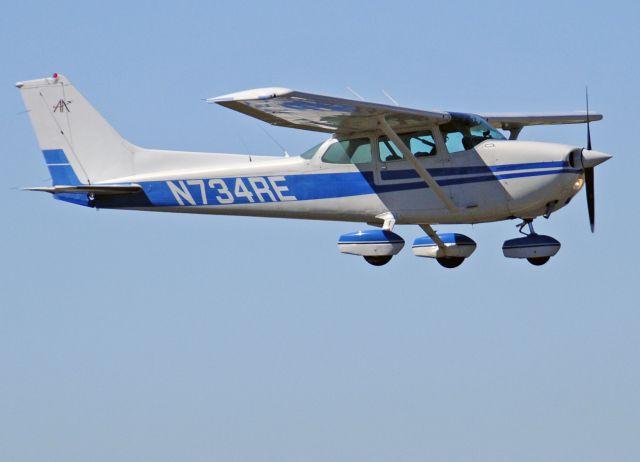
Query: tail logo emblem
<point x="62" y="106"/>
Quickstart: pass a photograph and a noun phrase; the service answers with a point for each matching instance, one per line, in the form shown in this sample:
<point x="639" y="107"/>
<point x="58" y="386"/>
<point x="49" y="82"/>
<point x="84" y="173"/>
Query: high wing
<point x="307" y="111"/>
<point x="509" y="121"/>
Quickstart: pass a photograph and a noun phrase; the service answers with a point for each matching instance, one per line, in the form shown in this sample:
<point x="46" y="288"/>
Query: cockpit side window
<point x="356" y="151"/>
<point x="421" y="144"/>
<point x="465" y="131"/>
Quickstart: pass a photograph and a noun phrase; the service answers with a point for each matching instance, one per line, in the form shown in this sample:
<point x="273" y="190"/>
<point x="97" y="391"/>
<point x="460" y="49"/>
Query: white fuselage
<point x="495" y="180"/>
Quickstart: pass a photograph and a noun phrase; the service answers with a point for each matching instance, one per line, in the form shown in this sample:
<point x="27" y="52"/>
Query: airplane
<point x="382" y="166"/>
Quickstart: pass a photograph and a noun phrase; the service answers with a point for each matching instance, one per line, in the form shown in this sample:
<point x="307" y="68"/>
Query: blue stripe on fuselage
<point x="316" y="186"/>
<point x="241" y="191"/>
<point x="304" y="187"/>
<point x="479" y="169"/>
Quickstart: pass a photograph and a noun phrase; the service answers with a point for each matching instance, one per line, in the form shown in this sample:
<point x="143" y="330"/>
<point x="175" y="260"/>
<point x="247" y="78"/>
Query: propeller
<point x="589" y="160"/>
<point x="588" y="174"/>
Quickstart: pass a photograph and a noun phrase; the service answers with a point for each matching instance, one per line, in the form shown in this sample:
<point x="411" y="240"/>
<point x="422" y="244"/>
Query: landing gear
<point x="448" y="249"/>
<point x="378" y="260"/>
<point x="535" y="261"/>
<point x="536" y="248"/>
<point x="528" y="223"/>
<point x="450" y="262"/>
<point x="538" y="261"/>
<point x="377" y="246"/>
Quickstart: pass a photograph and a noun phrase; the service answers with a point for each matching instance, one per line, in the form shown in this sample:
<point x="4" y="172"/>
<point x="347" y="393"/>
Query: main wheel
<point x="378" y="260"/>
<point x="450" y="262"/>
<point x="538" y="261"/>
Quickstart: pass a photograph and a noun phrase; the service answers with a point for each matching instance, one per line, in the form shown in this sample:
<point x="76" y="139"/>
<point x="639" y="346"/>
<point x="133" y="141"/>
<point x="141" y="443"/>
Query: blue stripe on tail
<point x="59" y="167"/>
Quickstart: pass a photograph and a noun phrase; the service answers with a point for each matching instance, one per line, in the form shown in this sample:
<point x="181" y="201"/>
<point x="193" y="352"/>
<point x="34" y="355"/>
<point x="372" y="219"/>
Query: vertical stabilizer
<point x="79" y="145"/>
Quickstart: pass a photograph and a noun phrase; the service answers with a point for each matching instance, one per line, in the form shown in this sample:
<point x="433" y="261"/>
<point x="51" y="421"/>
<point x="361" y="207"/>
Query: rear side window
<point x="357" y="151"/>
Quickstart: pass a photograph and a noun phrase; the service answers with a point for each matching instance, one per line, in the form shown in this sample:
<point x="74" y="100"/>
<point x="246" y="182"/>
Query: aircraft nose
<point x="592" y="158"/>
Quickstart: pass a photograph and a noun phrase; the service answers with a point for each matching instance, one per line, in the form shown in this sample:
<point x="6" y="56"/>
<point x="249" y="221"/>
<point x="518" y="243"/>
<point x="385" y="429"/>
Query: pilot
<point x="431" y="148"/>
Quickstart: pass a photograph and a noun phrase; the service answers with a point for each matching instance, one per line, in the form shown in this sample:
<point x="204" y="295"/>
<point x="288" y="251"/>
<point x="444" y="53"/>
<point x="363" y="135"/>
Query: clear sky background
<point x="127" y="336"/>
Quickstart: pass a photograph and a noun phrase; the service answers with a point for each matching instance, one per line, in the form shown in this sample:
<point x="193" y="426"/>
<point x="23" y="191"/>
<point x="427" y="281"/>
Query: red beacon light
<point x="55" y="75"/>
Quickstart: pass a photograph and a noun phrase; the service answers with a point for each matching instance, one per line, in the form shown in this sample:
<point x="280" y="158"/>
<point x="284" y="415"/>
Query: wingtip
<point x="254" y="94"/>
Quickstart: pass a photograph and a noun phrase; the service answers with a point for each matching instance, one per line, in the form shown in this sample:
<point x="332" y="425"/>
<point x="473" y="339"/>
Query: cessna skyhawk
<point x="383" y="165"/>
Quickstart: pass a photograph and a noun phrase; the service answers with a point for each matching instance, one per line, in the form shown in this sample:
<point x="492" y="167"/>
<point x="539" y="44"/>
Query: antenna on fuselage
<point x="358" y="95"/>
<point x="286" y="154"/>
<point x="246" y="147"/>
<point x="390" y="98"/>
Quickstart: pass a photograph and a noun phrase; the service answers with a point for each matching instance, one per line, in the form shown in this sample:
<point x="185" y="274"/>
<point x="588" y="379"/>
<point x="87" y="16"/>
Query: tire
<point x="378" y="260"/>
<point x="450" y="262"/>
<point x="538" y="261"/>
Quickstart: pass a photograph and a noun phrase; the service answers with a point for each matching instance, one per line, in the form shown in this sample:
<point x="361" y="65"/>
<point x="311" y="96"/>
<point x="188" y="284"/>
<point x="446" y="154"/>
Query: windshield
<point x="309" y="153"/>
<point x="466" y="131"/>
<point x="356" y="151"/>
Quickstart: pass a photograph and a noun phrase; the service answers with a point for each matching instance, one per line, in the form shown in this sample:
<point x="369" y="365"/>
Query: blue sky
<point x="131" y="336"/>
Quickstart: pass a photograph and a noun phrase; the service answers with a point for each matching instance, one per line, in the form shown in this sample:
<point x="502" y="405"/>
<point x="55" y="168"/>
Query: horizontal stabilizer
<point x="88" y="189"/>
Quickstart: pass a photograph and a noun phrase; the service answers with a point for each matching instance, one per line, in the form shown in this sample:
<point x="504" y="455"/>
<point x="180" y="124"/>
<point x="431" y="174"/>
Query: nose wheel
<point x="538" y="261"/>
<point x="535" y="261"/>
<point x="536" y="248"/>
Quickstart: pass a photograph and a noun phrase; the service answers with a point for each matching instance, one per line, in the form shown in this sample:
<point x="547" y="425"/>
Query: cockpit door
<point x="394" y="169"/>
<point x="395" y="174"/>
<point x="469" y="175"/>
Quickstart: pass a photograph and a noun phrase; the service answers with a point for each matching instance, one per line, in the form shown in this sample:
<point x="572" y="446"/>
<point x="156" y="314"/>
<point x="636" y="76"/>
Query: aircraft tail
<point x="79" y="145"/>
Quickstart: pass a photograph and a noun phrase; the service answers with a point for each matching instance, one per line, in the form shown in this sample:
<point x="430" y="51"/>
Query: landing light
<point x="578" y="184"/>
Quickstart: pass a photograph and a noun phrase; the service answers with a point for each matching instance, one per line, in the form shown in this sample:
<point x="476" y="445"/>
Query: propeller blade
<point x="590" y="188"/>
<point x="588" y="172"/>
<point x="586" y="94"/>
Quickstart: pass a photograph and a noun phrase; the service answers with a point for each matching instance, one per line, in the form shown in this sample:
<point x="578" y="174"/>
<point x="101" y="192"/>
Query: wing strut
<point x="514" y="131"/>
<point x="434" y="236"/>
<point x="424" y="174"/>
